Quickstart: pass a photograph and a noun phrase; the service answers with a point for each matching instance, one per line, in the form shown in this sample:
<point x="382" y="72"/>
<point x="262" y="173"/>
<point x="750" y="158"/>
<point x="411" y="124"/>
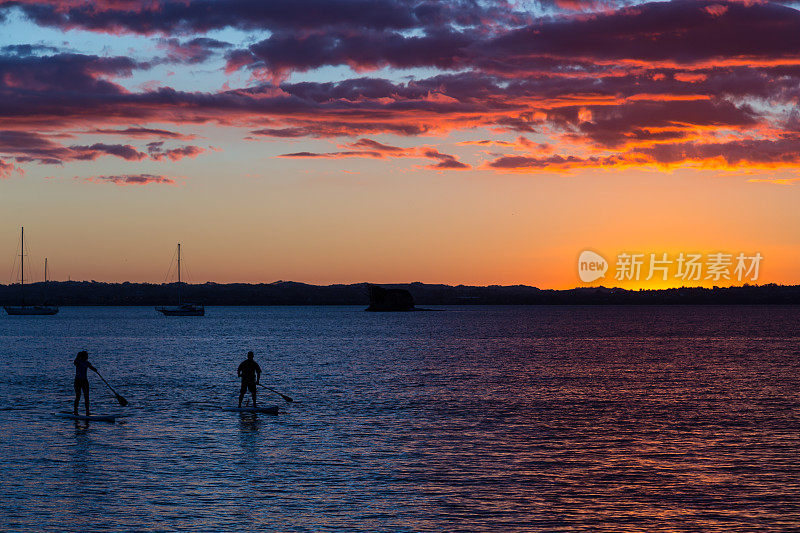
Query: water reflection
<point x="478" y="419"/>
<point x="249" y="423"/>
<point x="81" y="428"/>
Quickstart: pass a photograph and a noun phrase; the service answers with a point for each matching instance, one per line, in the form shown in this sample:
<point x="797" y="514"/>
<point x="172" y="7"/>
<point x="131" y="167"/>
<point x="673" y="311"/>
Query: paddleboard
<point x="92" y="418"/>
<point x="270" y="410"/>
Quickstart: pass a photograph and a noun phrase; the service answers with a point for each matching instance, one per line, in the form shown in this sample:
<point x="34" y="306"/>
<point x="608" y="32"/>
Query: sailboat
<point x="28" y="309"/>
<point x="182" y="309"/>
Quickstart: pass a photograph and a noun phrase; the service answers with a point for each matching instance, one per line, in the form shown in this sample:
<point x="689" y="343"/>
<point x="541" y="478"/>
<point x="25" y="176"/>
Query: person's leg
<point x="77" y="388"/>
<point x="86" y="395"/>
<point x="242" y="390"/>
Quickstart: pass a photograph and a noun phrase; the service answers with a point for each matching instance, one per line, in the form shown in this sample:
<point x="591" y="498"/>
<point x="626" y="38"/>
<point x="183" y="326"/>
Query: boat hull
<point x="183" y="310"/>
<point x="27" y="310"/>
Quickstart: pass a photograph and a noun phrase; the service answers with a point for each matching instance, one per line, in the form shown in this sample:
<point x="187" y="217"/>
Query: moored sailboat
<point x="182" y="309"/>
<point x="20" y="310"/>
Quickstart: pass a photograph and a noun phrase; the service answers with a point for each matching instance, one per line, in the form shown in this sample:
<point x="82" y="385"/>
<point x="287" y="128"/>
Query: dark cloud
<point x="781" y="151"/>
<point x="192" y="51"/>
<point x="132" y="179"/>
<point x="200" y="16"/>
<point x="157" y="152"/>
<point x="681" y="31"/>
<point x="369" y="144"/>
<point x="289" y="52"/>
<point x="78" y="73"/>
<point x="31" y="146"/>
<point x="135" y="132"/>
<point x="27" y="49"/>
<point x="27" y="147"/>
<point x="750" y="153"/>
<point x="612" y="126"/>
<point x="446" y="161"/>
<point x="583" y="5"/>
<point x="650" y="84"/>
<point x="124" y="151"/>
<point x="541" y="163"/>
<point x="283" y="133"/>
<point x="376" y="150"/>
<point x="333" y="155"/>
<point x="671" y="33"/>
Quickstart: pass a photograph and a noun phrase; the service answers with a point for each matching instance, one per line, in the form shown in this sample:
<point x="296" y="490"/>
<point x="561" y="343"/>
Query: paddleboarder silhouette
<point x="250" y="373"/>
<point x="82" y="364"/>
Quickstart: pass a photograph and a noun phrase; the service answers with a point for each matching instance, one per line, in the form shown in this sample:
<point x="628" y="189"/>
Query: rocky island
<point x="381" y="299"/>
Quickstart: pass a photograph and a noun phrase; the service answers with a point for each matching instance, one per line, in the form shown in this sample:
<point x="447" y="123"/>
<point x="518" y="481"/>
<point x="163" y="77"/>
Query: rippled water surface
<point x="471" y="419"/>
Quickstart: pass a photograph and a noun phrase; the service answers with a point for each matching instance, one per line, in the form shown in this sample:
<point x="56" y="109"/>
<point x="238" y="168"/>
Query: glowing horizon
<point x="391" y="141"/>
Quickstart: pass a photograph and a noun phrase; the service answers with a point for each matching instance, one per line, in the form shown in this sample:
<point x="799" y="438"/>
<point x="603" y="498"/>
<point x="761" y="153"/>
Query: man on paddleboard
<point x="82" y="364"/>
<point x="250" y="373"/>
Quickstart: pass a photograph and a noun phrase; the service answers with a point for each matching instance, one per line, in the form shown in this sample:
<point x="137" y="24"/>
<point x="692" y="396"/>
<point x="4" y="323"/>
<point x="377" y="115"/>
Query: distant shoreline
<point x="89" y="293"/>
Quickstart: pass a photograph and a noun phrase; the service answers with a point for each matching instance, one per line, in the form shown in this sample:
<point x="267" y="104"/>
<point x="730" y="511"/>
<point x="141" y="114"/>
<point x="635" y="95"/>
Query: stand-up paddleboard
<point x="92" y="418"/>
<point x="269" y="410"/>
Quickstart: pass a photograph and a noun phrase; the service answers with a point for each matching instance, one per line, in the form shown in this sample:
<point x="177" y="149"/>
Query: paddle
<point x="289" y="400"/>
<point x="122" y="401"/>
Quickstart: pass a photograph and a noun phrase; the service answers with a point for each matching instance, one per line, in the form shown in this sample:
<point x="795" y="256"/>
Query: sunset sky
<point x="396" y="140"/>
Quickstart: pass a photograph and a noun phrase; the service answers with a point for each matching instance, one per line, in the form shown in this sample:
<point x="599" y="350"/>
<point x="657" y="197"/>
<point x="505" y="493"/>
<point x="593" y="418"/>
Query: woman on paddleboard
<point x="82" y="364"/>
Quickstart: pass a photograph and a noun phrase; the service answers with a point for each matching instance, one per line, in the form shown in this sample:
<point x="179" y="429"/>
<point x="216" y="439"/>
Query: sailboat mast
<point x="22" y="256"/>
<point x="45" y="270"/>
<point x="179" y="273"/>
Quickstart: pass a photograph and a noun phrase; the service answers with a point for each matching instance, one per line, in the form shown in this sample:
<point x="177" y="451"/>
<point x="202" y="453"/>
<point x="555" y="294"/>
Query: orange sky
<point x="313" y="223"/>
<point x="476" y="143"/>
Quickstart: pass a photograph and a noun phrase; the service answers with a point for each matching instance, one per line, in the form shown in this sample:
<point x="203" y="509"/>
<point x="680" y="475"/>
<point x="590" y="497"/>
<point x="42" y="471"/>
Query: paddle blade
<point x="287" y="398"/>
<point x="122" y="401"/>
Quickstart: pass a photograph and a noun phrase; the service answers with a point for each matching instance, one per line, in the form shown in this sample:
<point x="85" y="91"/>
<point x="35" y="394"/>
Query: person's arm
<point x="239" y="371"/>
<point x="258" y="374"/>
<point x="93" y="369"/>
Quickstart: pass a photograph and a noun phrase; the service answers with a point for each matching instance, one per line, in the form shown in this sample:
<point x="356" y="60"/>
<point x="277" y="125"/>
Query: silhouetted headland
<point x="292" y="293"/>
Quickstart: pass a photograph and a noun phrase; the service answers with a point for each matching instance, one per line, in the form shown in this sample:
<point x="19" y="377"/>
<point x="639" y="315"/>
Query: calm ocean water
<point x="472" y="419"/>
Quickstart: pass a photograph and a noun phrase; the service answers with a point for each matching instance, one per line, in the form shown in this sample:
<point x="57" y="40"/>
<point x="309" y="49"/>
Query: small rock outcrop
<point x="381" y="299"/>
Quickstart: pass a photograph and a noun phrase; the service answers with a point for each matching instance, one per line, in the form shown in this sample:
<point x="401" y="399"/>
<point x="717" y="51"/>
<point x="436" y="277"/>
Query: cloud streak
<point x="132" y="179"/>
<point x="368" y="148"/>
